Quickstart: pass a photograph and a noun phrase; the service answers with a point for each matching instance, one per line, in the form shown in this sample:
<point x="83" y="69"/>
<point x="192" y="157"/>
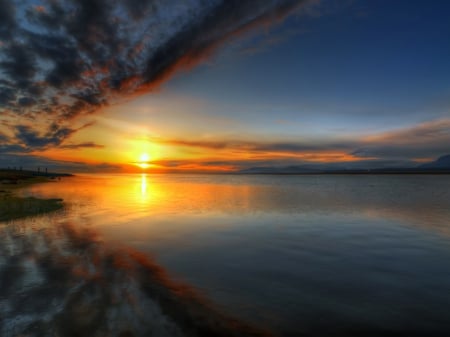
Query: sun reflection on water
<point x="144" y="192"/>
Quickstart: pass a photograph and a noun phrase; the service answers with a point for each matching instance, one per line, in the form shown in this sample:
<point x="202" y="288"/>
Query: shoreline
<point x="14" y="207"/>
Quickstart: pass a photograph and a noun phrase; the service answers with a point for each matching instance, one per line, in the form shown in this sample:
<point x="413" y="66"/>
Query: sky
<point x="218" y="86"/>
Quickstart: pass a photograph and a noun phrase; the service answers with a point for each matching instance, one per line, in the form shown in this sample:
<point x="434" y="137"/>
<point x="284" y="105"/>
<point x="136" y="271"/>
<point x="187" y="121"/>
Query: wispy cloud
<point x="260" y="146"/>
<point x="429" y="139"/>
<point x="396" y="148"/>
<point x="403" y="146"/>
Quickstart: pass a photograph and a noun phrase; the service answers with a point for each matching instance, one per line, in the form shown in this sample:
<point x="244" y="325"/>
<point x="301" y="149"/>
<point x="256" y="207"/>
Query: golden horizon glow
<point x="143" y="147"/>
<point x="143" y="165"/>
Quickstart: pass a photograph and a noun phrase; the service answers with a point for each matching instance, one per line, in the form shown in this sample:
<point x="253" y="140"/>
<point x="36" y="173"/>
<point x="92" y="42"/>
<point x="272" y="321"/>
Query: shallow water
<point x="299" y="254"/>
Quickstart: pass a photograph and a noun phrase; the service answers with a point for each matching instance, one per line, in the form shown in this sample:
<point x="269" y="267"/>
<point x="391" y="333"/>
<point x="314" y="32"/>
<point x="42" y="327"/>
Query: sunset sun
<point x="144" y="157"/>
<point x="144" y="161"/>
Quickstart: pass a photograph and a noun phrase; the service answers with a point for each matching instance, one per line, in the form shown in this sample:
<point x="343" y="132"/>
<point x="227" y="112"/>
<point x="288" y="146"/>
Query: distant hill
<point x="280" y="170"/>
<point x="441" y="163"/>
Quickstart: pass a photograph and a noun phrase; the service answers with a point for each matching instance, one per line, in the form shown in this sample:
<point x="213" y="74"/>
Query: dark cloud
<point x="90" y="97"/>
<point x="6" y="146"/>
<point x="19" y="63"/>
<point x="7" y="96"/>
<point x="26" y="101"/>
<point x="91" y="145"/>
<point x="7" y="14"/>
<point x="32" y="139"/>
<point x="62" y="59"/>
<point x="29" y="139"/>
<point x="137" y="9"/>
<point x="13" y="148"/>
<point x="191" y="44"/>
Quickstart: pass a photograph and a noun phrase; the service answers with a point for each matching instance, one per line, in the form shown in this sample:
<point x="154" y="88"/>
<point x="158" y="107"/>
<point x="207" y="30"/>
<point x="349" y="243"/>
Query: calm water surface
<point x="295" y="253"/>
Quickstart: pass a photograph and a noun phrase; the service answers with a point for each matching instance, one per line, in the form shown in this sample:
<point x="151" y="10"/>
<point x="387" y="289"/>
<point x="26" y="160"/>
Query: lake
<point x="312" y="254"/>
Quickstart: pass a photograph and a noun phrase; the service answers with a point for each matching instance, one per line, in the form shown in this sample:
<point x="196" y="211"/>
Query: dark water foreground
<point x="62" y="281"/>
<point x="302" y="255"/>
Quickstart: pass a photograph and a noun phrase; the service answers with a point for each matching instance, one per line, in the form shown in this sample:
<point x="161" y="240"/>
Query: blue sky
<point x="371" y="65"/>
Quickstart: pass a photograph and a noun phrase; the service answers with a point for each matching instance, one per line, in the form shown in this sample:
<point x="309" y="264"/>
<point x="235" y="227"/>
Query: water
<point x="298" y="254"/>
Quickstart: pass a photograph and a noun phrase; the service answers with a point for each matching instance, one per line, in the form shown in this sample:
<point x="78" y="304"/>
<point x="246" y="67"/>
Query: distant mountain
<point x="441" y="163"/>
<point x="280" y="170"/>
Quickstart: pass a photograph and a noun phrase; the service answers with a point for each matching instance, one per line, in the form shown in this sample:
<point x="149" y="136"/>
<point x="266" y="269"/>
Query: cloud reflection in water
<point x="62" y="280"/>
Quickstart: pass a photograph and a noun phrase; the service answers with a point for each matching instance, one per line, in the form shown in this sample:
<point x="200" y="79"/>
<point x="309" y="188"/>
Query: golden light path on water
<point x="144" y="186"/>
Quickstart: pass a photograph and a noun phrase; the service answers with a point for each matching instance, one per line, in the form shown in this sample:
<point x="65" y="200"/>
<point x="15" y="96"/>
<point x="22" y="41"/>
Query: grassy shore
<point x="14" y="207"/>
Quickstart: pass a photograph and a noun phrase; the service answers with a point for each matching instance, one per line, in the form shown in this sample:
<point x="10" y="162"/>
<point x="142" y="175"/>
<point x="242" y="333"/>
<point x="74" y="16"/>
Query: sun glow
<point x="144" y="161"/>
<point x="144" y="157"/>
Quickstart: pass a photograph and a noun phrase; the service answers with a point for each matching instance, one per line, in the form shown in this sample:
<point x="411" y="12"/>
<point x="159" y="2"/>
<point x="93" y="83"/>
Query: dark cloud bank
<point x="64" y="59"/>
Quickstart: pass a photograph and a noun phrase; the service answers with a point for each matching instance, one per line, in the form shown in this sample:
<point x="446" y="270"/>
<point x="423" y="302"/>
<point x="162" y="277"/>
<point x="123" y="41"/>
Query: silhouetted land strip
<point x="300" y="171"/>
<point x="15" y="207"/>
<point x="22" y="176"/>
<point x="439" y="166"/>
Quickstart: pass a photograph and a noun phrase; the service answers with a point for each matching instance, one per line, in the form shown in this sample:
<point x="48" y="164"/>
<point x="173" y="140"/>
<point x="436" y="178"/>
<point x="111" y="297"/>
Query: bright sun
<point x="144" y="157"/>
<point x="143" y="161"/>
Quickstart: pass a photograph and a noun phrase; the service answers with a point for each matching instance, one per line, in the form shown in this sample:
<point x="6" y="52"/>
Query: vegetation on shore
<point x="14" y="207"/>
